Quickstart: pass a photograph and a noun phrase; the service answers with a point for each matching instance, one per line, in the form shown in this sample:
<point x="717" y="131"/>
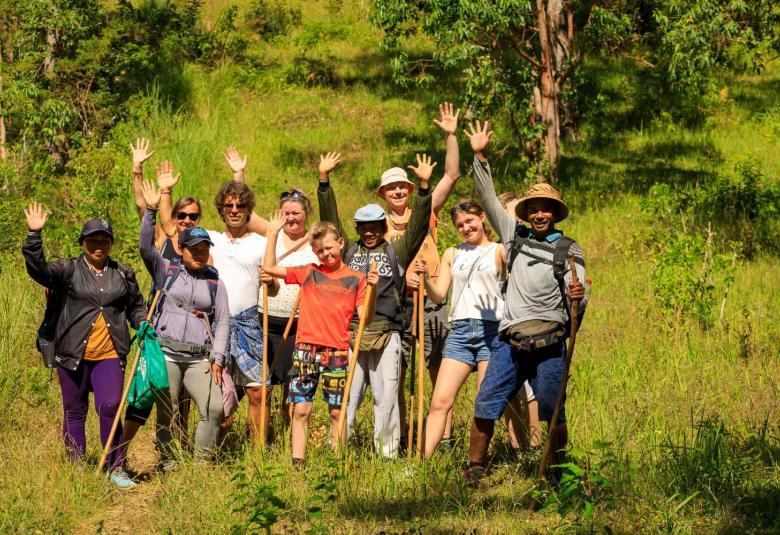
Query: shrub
<point x="273" y="18"/>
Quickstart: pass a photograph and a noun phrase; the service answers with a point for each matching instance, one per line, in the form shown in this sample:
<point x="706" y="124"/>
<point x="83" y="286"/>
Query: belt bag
<point x="196" y="350"/>
<point x="532" y="335"/>
<point x="372" y="340"/>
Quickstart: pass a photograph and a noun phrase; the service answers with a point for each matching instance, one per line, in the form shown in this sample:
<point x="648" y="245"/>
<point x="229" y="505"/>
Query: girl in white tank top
<point x="475" y="270"/>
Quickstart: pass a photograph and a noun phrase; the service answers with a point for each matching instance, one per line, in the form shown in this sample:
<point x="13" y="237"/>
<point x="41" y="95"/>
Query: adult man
<point x="537" y="297"/>
<point x="395" y="188"/>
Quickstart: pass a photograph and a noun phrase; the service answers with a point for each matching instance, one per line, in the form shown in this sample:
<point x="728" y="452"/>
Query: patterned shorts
<point x="310" y="363"/>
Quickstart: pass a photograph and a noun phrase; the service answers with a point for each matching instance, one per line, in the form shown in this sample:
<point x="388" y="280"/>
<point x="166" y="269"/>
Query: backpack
<point x="399" y="282"/>
<point x="559" y="266"/>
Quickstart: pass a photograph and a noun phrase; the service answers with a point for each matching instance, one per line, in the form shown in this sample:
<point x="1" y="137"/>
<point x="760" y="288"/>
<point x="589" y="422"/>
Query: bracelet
<point x="165" y="192"/>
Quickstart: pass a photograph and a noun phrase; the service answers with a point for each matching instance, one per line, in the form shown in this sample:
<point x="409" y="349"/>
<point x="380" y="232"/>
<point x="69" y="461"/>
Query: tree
<point x="517" y="58"/>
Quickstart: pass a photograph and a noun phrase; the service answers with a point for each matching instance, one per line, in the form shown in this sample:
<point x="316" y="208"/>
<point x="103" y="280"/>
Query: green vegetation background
<point x="673" y="405"/>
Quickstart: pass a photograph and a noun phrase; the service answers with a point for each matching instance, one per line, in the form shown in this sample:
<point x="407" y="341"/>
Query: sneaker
<point x="298" y="464"/>
<point x="447" y="443"/>
<point x="121" y="479"/>
<point x="168" y="466"/>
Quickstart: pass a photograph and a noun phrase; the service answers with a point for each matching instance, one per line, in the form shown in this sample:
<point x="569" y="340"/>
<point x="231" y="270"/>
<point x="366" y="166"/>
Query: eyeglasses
<point x="292" y="195"/>
<point x="232" y="206"/>
<point x="192" y="216"/>
<point x="462" y="207"/>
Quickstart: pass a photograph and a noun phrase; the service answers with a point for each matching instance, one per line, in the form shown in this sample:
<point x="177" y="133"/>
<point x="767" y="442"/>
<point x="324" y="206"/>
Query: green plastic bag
<point x="151" y="375"/>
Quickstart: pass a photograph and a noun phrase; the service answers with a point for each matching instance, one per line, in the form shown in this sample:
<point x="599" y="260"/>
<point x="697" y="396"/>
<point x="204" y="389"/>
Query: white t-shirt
<point x="281" y="305"/>
<point x="237" y="262"/>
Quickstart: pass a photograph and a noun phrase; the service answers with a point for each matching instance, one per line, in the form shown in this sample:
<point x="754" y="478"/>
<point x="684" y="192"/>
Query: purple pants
<point x="105" y="378"/>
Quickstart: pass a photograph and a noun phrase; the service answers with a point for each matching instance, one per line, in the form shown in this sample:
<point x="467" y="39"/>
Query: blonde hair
<point x="320" y="229"/>
<point x="301" y="198"/>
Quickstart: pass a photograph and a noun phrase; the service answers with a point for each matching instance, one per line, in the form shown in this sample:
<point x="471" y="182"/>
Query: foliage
<point x="324" y="493"/>
<point x="273" y="18"/>
<point x="255" y="498"/>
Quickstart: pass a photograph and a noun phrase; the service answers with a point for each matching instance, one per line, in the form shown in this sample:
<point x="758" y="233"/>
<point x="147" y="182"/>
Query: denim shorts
<point x="472" y="341"/>
<point x="506" y="371"/>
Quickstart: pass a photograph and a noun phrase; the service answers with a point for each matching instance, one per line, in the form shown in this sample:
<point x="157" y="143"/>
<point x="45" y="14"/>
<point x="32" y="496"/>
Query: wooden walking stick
<point x="353" y="361"/>
<point x="286" y="335"/>
<point x="125" y="390"/>
<point x="420" y="363"/>
<point x="264" y="386"/>
<point x="573" y="317"/>
<point x="412" y="352"/>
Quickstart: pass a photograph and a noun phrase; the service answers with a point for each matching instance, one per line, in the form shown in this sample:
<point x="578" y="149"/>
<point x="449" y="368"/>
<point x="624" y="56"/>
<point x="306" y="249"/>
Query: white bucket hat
<point x="391" y="176"/>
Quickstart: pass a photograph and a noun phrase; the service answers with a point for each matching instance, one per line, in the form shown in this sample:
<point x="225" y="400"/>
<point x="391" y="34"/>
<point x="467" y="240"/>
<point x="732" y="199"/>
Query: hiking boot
<point x="298" y="464"/>
<point x="474" y="473"/>
<point x="121" y="479"/>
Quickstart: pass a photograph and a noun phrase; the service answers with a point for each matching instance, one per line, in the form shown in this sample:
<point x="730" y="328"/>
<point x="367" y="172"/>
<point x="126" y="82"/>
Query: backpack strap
<point x="398" y="281"/>
<point x="520" y="238"/>
<point x="172" y="272"/>
<point x="559" y="268"/>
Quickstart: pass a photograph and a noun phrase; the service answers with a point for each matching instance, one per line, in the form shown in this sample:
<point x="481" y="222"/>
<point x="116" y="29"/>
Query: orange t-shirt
<point x="99" y="345"/>
<point x="328" y="301"/>
<point x="428" y="250"/>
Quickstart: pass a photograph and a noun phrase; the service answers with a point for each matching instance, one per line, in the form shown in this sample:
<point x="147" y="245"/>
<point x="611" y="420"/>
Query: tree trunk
<point x="549" y="91"/>
<point x="3" y="153"/>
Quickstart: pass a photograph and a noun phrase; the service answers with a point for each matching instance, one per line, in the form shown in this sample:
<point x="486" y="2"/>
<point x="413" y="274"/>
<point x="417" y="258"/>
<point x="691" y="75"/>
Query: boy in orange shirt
<point x="330" y="293"/>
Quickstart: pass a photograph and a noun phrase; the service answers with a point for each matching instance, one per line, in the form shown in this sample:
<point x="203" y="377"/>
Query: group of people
<point x="500" y="308"/>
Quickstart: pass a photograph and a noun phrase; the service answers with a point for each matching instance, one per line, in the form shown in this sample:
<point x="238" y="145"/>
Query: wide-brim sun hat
<point x="542" y="191"/>
<point x="391" y="176"/>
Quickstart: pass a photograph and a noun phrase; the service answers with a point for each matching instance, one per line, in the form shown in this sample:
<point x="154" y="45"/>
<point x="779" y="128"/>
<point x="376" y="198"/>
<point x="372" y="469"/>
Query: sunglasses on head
<point x="292" y="195"/>
<point x="461" y="207"/>
<point x="232" y="205"/>
<point x="192" y="216"/>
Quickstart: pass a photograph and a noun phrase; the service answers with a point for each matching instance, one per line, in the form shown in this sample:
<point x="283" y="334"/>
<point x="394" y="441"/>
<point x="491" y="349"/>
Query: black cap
<point x="193" y="235"/>
<point x="95" y="226"/>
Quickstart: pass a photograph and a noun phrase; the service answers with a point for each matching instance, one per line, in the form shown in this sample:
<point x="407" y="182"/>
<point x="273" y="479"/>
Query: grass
<point x="689" y="416"/>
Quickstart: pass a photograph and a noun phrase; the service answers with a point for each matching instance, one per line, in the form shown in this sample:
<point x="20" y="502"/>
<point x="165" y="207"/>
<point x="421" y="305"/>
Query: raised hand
<point x="36" y="217"/>
<point x="424" y="169"/>
<point x="140" y="153"/>
<point x="480" y="137"/>
<point x="151" y="194"/>
<point x="165" y="177"/>
<point x="234" y="160"/>
<point x="447" y="120"/>
<point x="276" y="222"/>
<point x="328" y="163"/>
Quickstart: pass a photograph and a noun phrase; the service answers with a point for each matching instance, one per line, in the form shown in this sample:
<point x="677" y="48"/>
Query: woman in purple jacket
<point x="193" y="304"/>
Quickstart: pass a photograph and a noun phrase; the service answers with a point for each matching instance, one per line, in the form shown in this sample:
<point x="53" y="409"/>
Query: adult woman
<point x="91" y="338"/>
<point x="474" y="268"/>
<point x="185" y="212"/>
<point x="191" y="293"/>
<point x="292" y="249"/>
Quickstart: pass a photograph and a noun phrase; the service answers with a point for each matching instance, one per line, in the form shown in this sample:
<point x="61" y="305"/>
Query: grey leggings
<point x="207" y="396"/>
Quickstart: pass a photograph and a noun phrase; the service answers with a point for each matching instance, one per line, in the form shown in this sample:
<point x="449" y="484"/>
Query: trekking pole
<point x="353" y="361"/>
<point x="412" y="352"/>
<point x="125" y="390"/>
<point x="264" y="386"/>
<point x="420" y="363"/>
<point x="287" y="329"/>
<point x="575" y="309"/>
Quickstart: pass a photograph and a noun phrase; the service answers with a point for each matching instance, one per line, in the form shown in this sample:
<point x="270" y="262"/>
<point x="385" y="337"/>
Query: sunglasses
<point x="292" y="195"/>
<point x="192" y="216"/>
<point x="461" y="207"/>
<point x="231" y="206"/>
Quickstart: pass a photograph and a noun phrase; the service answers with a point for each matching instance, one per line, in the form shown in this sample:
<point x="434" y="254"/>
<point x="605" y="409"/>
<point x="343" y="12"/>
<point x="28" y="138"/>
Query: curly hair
<point x="235" y="189"/>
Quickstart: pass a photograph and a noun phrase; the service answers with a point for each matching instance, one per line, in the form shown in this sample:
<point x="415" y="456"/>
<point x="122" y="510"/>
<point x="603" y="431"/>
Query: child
<point x="330" y="293"/>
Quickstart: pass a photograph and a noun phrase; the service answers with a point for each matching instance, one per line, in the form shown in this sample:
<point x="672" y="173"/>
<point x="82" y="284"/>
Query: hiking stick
<point x="575" y="309"/>
<point x="353" y="361"/>
<point x="125" y="390"/>
<point x="275" y="365"/>
<point x="420" y="363"/>
<point x="264" y="386"/>
<point x="413" y="350"/>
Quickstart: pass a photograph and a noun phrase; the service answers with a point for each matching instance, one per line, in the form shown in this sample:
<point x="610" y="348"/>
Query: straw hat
<point x="542" y="191"/>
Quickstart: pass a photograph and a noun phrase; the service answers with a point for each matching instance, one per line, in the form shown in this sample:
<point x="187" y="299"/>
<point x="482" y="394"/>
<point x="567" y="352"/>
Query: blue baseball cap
<point x="370" y="213"/>
<point x="194" y="235"/>
<point x="96" y="226"/>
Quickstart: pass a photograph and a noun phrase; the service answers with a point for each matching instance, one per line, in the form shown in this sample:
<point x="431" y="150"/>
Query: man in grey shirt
<point x="532" y="295"/>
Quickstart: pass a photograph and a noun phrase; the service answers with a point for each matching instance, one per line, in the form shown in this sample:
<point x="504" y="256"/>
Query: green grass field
<point x="674" y="427"/>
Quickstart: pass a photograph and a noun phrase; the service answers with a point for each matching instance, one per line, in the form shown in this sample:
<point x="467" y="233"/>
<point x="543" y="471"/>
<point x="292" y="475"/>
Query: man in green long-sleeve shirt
<point x="379" y="362"/>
